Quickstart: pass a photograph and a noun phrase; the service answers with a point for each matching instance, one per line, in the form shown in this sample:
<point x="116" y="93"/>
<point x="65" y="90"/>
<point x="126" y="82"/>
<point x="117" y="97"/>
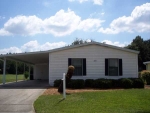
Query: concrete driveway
<point x="19" y="97"/>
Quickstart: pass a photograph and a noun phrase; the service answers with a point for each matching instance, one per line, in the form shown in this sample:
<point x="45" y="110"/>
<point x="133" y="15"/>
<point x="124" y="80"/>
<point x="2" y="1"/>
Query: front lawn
<point x="11" y="77"/>
<point x="117" y="101"/>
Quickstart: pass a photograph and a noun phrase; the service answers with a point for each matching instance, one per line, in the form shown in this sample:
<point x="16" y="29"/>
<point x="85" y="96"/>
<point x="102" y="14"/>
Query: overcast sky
<point x="34" y="25"/>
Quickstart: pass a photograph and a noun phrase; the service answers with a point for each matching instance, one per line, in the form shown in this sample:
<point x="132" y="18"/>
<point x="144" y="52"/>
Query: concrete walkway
<point x="19" y="97"/>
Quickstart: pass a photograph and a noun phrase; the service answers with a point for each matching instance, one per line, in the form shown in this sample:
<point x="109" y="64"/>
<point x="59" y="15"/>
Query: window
<point x="79" y="64"/>
<point x="113" y="67"/>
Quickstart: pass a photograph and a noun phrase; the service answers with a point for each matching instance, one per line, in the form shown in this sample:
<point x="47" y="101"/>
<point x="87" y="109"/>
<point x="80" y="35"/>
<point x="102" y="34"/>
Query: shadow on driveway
<point x="28" y="84"/>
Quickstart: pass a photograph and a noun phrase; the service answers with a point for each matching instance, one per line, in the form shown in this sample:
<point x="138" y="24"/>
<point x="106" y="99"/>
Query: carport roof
<point x="30" y="58"/>
<point x="43" y="56"/>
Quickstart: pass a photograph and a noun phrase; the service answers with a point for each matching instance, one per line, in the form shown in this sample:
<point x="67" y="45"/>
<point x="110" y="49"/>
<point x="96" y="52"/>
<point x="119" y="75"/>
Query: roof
<point x="43" y="56"/>
<point x="94" y="43"/>
<point x="148" y="62"/>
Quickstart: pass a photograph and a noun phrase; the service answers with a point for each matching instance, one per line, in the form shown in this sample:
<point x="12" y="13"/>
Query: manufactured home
<point x="147" y="65"/>
<point x="91" y="60"/>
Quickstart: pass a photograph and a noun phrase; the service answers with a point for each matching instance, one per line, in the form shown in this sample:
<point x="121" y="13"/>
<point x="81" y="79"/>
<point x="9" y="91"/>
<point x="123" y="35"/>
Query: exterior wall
<point x="148" y="66"/>
<point x="95" y="62"/>
<point x="41" y="71"/>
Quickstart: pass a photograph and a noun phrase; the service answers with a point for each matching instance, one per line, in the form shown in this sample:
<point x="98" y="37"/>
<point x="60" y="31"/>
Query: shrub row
<point x="103" y="83"/>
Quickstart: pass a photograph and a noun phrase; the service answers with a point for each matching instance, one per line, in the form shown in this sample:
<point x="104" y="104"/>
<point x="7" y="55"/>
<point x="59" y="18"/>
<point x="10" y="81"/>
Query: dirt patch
<point x="53" y="90"/>
<point x="147" y="86"/>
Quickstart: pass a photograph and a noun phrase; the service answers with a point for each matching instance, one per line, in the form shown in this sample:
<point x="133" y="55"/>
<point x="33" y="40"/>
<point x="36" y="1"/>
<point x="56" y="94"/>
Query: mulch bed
<point x="53" y="90"/>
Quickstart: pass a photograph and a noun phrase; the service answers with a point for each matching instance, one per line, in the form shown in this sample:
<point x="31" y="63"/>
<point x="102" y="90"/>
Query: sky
<point x="38" y="25"/>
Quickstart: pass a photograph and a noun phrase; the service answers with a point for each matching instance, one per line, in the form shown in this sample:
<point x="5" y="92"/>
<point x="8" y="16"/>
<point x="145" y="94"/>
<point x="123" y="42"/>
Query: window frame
<point x="109" y="66"/>
<point x="83" y="65"/>
<point x="120" y="67"/>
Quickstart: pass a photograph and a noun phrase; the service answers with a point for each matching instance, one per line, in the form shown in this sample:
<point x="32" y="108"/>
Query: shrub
<point x="115" y="83"/>
<point x="103" y="83"/>
<point x="26" y="74"/>
<point x="89" y="83"/>
<point x="57" y="82"/>
<point x="107" y="83"/>
<point x="97" y="83"/>
<point x="145" y="75"/>
<point x="77" y="84"/>
<point x="126" y="83"/>
<point x="138" y="83"/>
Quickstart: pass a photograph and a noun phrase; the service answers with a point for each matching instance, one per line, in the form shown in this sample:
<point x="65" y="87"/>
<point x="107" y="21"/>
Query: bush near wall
<point x="89" y="83"/>
<point x="77" y="84"/>
<point x="138" y="83"/>
<point x="103" y="83"/>
<point x="57" y="82"/>
<point x="126" y="83"/>
<point x="145" y="75"/>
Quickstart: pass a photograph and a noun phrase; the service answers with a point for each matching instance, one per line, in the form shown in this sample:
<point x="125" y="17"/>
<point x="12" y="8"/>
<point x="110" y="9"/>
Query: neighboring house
<point x="91" y="60"/>
<point x="147" y="65"/>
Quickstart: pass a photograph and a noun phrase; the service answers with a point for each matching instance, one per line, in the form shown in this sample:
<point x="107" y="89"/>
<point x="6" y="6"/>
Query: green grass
<point x="119" y="101"/>
<point x="11" y="77"/>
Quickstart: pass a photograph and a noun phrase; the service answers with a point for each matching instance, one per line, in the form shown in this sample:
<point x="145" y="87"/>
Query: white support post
<point x="64" y="85"/>
<point x="24" y="71"/>
<point x="29" y="72"/>
<point x="4" y="70"/>
<point x="24" y="68"/>
<point x="16" y="73"/>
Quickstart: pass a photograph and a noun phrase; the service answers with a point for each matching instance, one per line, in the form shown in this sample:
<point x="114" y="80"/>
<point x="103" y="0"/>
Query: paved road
<point x="19" y="97"/>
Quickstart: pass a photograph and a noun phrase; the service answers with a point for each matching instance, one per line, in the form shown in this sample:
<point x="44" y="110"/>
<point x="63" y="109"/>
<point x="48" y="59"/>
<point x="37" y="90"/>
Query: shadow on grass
<point x="62" y="98"/>
<point x="68" y="93"/>
<point x="143" y="112"/>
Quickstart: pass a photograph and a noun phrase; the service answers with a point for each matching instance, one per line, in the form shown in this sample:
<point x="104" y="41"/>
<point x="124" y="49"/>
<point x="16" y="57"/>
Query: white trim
<point x="146" y="62"/>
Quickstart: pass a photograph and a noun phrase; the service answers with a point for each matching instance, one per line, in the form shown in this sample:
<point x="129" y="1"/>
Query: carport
<point x="39" y="60"/>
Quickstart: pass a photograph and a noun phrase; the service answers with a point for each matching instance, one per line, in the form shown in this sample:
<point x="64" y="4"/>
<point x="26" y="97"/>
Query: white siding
<point x="41" y="71"/>
<point x="95" y="62"/>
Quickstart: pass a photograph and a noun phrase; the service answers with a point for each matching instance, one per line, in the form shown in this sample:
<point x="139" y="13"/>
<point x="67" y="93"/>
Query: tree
<point x="143" y="47"/>
<point x="80" y="41"/>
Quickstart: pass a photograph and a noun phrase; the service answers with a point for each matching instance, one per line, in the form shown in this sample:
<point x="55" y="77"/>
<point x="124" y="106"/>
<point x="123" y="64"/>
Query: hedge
<point x="77" y="84"/>
<point x="89" y="83"/>
<point x="126" y="83"/>
<point x="103" y="83"/>
<point x="57" y="82"/>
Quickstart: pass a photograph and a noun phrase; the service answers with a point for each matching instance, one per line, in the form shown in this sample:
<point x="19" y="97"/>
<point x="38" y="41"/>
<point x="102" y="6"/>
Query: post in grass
<point x="64" y="85"/>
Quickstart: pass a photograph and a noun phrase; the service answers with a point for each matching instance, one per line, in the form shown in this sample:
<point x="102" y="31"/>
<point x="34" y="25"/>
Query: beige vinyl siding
<point x="95" y="62"/>
<point x="148" y="66"/>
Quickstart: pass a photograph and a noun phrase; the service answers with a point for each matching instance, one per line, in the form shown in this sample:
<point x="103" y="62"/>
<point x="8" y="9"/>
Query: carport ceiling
<point x="32" y="58"/>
